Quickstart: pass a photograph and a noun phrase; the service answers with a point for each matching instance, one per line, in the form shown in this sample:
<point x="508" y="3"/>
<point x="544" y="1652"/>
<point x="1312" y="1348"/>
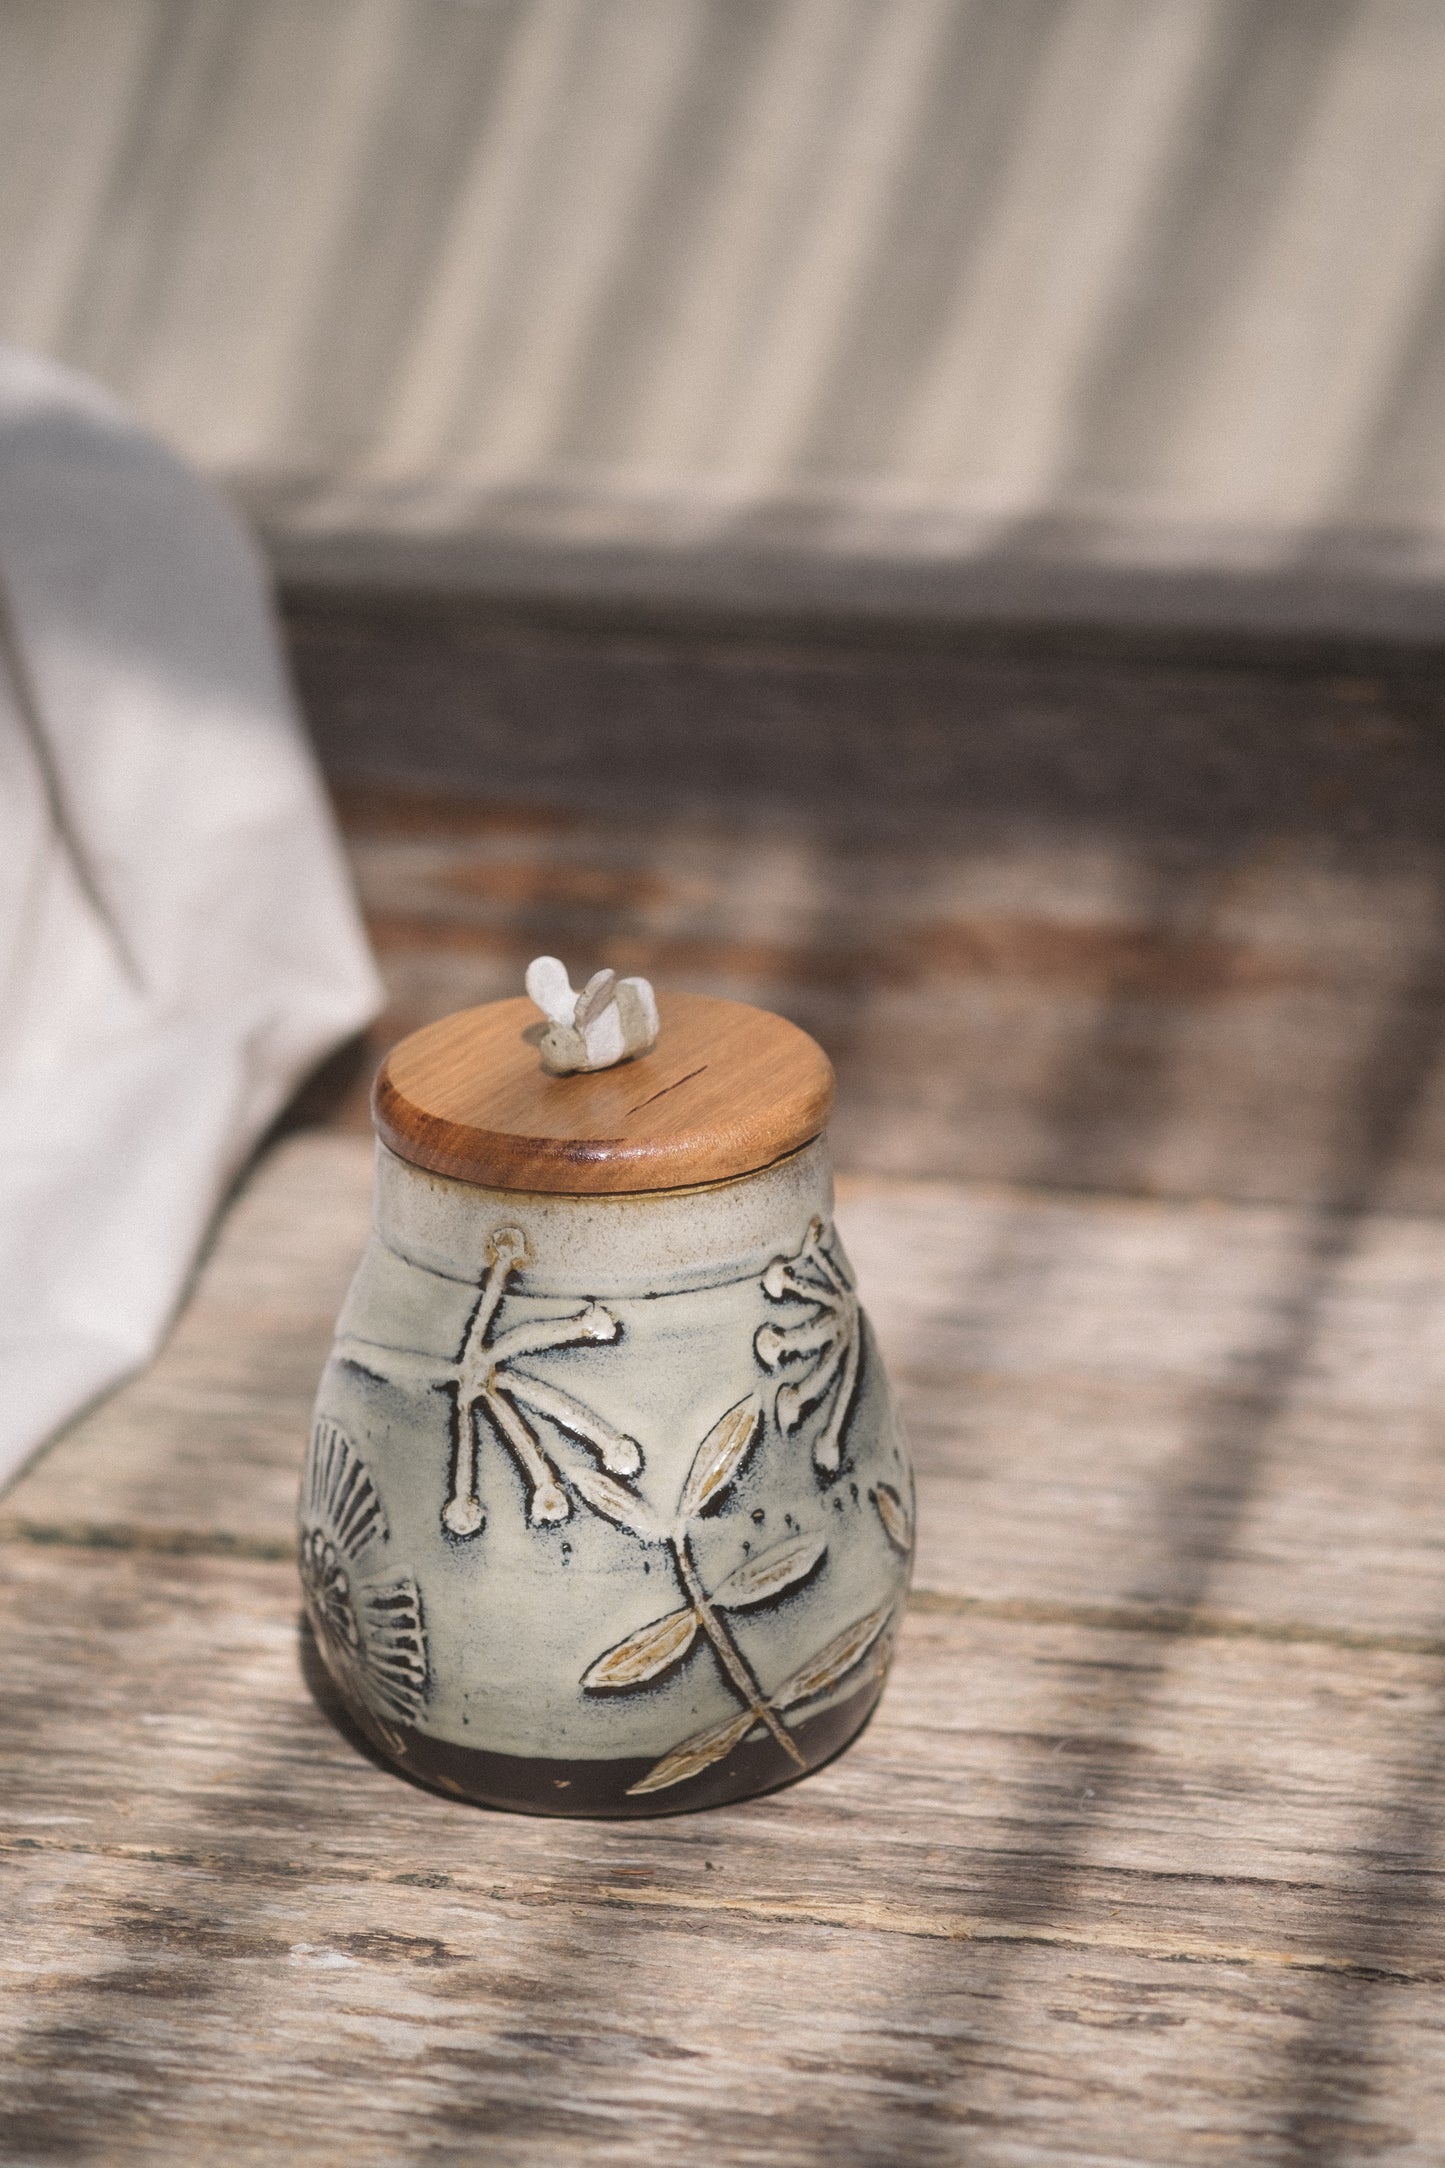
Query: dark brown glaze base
<point x="599" y="1789"/>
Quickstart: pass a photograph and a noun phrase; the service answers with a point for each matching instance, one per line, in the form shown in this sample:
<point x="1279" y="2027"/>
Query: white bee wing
<point x="551" y="989"/>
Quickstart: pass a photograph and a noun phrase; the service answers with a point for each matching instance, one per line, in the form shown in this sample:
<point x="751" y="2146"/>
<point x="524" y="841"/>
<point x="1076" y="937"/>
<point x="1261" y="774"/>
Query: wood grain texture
<point x="1106" y="920"/>
<point x="727" y="1089"/>
<point x="1145" y="1830"/>
<point x="1139" y="1861"/>
<point x="1076" y="1896"/>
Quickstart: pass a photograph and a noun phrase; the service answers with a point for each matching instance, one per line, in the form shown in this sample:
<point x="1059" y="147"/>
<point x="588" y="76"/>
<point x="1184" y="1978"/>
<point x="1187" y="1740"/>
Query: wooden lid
<point x="726" y="1090"/>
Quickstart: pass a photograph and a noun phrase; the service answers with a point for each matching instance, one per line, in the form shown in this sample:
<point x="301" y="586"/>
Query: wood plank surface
<point x="1080" y="1941"/>
<point x="1120" y="1012"/>
<point x="1126" y="1834"/>
<point x="1100" y="918"/>
<point x="1135" y="984"/>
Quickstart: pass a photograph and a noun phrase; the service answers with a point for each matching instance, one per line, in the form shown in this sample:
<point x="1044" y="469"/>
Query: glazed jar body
<point x="606" y="1509"/>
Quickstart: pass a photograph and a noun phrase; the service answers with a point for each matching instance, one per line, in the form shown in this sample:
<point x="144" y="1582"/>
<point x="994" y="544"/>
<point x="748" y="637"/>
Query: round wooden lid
<point x="726" y="1090"/>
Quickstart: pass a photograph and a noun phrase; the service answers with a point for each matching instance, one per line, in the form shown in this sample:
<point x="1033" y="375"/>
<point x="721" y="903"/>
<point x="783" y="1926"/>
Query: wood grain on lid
<point x="726" y="1090"/>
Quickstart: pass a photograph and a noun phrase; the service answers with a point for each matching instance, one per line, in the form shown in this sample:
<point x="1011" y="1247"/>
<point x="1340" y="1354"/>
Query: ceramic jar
<point x="606" y="1509"/>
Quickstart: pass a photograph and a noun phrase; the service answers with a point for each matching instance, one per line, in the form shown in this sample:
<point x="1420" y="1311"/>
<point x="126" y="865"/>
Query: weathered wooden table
<point x="1133" y="975"/>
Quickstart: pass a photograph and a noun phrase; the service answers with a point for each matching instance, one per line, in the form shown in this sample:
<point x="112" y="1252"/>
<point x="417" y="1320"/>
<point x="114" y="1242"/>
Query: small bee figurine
<point x="610" y="1020"/>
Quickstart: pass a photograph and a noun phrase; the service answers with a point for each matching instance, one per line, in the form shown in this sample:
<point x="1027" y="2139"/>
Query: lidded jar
<point x="606" y="1509"/>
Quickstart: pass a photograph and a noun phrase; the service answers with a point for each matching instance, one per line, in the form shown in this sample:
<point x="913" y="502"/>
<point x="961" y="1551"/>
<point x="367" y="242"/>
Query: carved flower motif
<point x="491" y="1393"/>
<point x="327" y="1586"/>
<point x="368" y="1626"/>
<point x="814" y="1350"/>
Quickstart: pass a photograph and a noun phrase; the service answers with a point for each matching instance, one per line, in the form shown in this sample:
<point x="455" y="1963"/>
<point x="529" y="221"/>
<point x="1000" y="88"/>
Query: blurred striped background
<point x="1062" y="307"/>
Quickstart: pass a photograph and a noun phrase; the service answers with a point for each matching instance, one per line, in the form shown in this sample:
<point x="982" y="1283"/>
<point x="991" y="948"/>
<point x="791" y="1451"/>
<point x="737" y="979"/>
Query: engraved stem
<point x="828" y="1449"/>
<point x="463" y="1514"/>
<point x="505" y="1259"/>
<point x="548" y="1500"/>
<point x="838" y="1278"/>
<point x="728" y="1654"/>
<point x="619" y="1455"/>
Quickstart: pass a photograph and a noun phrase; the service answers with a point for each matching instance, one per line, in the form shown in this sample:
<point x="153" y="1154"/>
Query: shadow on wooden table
<point x="1188" y="1528"/>
<point x="1190" y="921"/>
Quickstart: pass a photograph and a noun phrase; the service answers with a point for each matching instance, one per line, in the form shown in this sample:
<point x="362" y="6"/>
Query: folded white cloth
<point x="178" y="939"/>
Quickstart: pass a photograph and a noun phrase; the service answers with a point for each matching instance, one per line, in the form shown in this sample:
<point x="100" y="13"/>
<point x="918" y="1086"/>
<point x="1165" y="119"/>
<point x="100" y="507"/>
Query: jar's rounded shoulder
<point x="645" y="1242"/>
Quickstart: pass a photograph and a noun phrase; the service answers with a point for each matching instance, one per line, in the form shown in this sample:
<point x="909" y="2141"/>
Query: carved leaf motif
<point x="770" y="1572"/>
<point x="695" y="1754"/>
<point x="613" y="1501"/>
<point x="644" y="1653"/>
<point x="719" y="1457"/>
<point x="835" y="1661"/>
<point x="894" y="1515"/>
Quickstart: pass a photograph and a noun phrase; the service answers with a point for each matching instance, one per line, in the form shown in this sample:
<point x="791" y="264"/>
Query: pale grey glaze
<point x="523" y="1393"/>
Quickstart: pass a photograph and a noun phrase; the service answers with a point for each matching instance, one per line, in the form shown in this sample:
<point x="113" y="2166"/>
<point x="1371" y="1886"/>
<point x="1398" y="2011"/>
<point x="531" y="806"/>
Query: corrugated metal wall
<point x="934" y="303"/>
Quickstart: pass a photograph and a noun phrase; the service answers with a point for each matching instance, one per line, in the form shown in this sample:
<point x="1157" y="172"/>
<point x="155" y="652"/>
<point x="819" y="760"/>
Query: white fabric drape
<point x="178" y="940"/>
